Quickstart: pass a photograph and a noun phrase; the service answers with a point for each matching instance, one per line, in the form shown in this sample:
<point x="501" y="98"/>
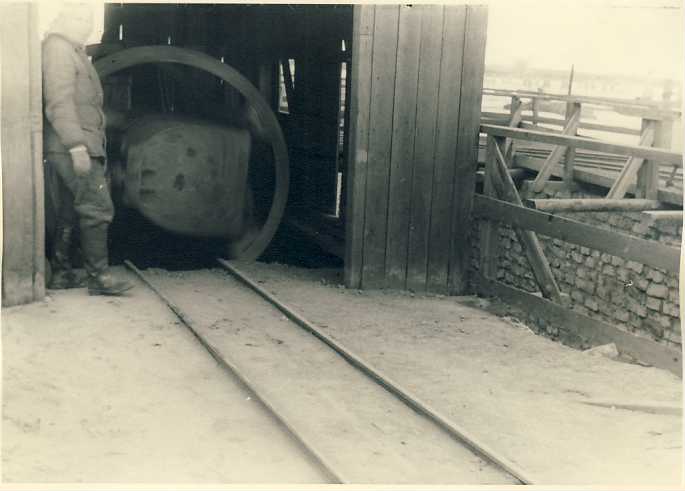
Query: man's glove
<point x="80" y="160"/>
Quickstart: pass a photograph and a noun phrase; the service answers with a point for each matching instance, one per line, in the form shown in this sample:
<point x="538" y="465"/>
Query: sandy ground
<point x="99" y="390"/>
<point x="366" y="434"/>
<point x="114" y="390"/>
<point x="522" y="394"/>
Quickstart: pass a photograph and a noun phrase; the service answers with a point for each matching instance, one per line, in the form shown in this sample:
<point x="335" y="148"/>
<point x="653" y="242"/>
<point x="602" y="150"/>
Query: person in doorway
<point x="74" y="147"/>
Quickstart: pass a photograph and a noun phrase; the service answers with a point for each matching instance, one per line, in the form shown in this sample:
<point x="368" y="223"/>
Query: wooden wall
<point x="416" y="81"/>
<point x="23" y="243"/>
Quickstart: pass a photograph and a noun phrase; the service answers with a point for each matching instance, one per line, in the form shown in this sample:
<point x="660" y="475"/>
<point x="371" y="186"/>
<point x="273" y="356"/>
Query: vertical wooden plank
<point x="404" y="120"/>
<point x="473" y="69"/>
<point x="380" y="138"/>
<point x="359" y="103"/>
<point x="488" y="228"/>
<point x="36" y="108"/>
<point x="648" y="175"/>
<point x="445" y="146"/>
<point x="19" y="194"/>
<point x="424" y="145"/>
<point x="571" y="109"/>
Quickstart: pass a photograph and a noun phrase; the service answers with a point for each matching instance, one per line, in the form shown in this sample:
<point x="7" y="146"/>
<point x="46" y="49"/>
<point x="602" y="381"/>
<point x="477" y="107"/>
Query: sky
<point x="623" y="37"/>
<point x="600" y="36"/>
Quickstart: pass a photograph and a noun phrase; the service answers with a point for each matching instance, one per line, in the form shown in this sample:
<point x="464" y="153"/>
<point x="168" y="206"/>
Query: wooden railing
<point x="657" y="122"/>
<point x="501" y="203"/>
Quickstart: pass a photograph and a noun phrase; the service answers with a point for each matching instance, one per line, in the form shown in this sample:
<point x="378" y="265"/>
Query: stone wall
<point x="633" y="297"/>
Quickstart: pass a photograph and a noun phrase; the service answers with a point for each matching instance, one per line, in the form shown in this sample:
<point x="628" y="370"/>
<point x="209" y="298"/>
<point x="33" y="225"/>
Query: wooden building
<point x="398" y="179"/>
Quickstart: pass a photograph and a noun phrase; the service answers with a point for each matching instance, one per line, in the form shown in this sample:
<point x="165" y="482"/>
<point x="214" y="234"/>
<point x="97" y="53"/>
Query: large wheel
<point x="255" y="246"/>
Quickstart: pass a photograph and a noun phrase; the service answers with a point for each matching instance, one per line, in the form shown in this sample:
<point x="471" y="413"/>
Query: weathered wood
<point x="403" y="133"/>
<point x="467" y="145"/>
<point x="557" y="153"/>
<point x="572" y="111"/>
<point x="531" y="245"/>
<point x="445" y="149"/>
<point x="656" y="154"/>
<point x="652" y="110"/>
<point x="647" y="252"/>
<point x="380" y="138"/>
<point x="647" y="185"/>
<point x="593" y="204"/>
<point x="580" y="330"/>
<point x="36" y="108"/>
<point x="424" y="145"/>
<point x="22" y="178"/>
<point x="633" y="165"/>
<point x="359" y="103"/>
<point x="504" y="118"/>
<point x="515" y="119"/>
<point x="670" y="196"/>
<point x="489" y="228"/>
<point x="666" y="215"/>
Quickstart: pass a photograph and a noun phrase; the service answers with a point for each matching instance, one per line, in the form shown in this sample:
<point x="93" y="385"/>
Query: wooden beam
<point x="424" y="144"/>
<point x="473" y="70"/>
<point x="593" y="204"/>
<point x="648" y="176"/>
<point x="648" y="252"/>
<point x="380" y="144"/>
<point x="504" y="118"/>
<point x="358" y="103"/>
<point x="558" y="152"/>
<point x="531" y="245"/>
<point x="656" y="154"/>
<point x="572" y="111"/>
<point x="488" y="228"/>
<point x="449" y="104"/>
<point x="670" y="196"/>
<point x="580" y="330"/>
<point x="666" y="215"/>
<point x="633" y="165"/>
<point x="23" y="240"/>
<point x="403" y="133"/>
<point x="516" y="115"/>
<point x="651" y="111"/>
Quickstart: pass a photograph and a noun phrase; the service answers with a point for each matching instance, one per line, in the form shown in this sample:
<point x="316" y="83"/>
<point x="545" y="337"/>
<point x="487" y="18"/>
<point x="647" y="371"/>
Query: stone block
<point x="658" y="291"/>
<point x="653" y="304"/>
<point x="609" y="270"/>
<point x="635" y="266"/>
<point x="617" y="261"/>
<point x="655" y="275"/>
<point x="621" y="315"/>
<point x="591" y="304"/>
<point x="585" y="251"/>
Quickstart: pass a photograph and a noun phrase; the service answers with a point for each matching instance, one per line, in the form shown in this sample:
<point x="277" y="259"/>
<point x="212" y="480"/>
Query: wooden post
<point x="488" y="228"/>
<point x="23" y="255"/>
<point x="516" y="111"/>
<point x="358" y="104"/>
<point x="648" y="174"/>
<point x="537" y="260"/>
<point x="633" y="165"/>
<point x="571" y="109"/>
<point x="557" y="152"/>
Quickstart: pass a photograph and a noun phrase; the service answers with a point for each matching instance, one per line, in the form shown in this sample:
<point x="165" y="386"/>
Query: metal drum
<point x="188" y="177"/>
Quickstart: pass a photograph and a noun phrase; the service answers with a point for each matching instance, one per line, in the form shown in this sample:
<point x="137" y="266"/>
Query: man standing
<point x="74" y="146"/>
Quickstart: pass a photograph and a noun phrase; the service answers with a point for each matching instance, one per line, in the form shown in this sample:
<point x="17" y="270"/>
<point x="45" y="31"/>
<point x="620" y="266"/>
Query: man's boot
<point x="100" y="279"/>
<point x="62" y="273"/>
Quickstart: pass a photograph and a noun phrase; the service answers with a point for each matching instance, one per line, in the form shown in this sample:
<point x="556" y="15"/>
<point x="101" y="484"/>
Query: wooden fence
<point x="501" y="202"/>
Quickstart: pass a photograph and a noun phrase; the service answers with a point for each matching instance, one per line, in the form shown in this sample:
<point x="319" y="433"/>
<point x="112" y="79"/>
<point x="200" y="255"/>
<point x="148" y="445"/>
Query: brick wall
<point x="633" y="297"/>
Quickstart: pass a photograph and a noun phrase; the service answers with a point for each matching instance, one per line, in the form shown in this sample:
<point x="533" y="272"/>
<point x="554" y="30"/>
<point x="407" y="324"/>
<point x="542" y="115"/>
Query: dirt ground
<point x="114" y="390"/>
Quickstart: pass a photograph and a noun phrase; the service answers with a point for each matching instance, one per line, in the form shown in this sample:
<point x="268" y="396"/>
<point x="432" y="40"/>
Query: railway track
<point x="350" y="420"/>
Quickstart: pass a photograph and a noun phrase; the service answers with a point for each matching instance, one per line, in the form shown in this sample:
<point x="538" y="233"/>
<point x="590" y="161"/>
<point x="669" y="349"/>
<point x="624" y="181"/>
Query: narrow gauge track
<point x="377" y="427"/>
